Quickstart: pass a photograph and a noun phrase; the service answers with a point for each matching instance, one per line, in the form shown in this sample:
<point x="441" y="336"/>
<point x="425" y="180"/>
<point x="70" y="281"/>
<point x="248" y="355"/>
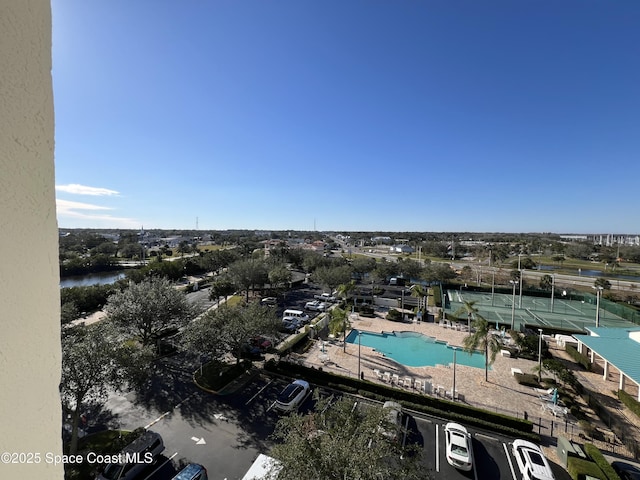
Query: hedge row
<point x="578" y="357"/>
<point x="422" y="403"/>
<point x="629" y="401"/>
<point x="579" y="468"/>
<point x="598" y="458"/>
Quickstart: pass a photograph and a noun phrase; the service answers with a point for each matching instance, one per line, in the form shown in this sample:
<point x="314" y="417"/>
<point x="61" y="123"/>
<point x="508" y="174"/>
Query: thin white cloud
<point x="88" y="214"/>
<point x="78" y="189"/>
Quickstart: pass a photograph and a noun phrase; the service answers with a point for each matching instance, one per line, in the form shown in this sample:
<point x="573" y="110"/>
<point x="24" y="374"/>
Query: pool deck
<point x="500" y="393"/>
<point x="496" y="394"/>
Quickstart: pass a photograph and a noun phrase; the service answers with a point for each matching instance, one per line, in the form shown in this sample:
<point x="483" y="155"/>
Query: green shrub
<point x="527" y="379"/>
<point x="630" y="402"/>
<point x="394" y="315"/>
<point x="437" y="295"/>
<point x="366" y="310"/>
<point x="578" y="357"/>
<point x="426" y="404"/>
<point x="596" y="455"/>
<point x="578" y="468"/>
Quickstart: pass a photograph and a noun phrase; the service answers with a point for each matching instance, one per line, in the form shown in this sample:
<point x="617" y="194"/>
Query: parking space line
<point x="437" y="448"/>
<point x="147" y="427"/>
<point x="259" y="392"/>
<point x="506" y="452"/>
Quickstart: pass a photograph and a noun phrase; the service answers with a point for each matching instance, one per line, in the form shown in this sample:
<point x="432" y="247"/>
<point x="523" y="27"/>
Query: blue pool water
<point x="414" y="349"/>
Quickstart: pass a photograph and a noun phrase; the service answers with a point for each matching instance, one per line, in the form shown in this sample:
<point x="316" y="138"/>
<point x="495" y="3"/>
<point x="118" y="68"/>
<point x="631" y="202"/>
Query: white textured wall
<point x="30" y="415"/>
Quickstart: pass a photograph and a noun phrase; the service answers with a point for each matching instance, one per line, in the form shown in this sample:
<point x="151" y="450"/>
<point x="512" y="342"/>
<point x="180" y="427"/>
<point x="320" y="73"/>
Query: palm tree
<point x="482" y="339"/>
<point x="339" y="322"/>
<point x="469" y="308"/>
<point x="344" y="290"/>
<point x="420" y="293"/>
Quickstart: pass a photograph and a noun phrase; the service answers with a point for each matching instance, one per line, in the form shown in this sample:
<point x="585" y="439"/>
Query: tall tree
<point x="343" y="440"/>
<point x="468" y="308"/>
<point x="248" y="274"/>
<point x="482" y="339"/>
<point x="331" y="277"/>
<point x="602" y="283"/>
<point x="339" y="322"/>
<point x="94" y="359"/>
<point x="148" y="308"/>
<point x="279" y="276"/>
<point x="546" y="282"/>
<point x="228" y="329"/>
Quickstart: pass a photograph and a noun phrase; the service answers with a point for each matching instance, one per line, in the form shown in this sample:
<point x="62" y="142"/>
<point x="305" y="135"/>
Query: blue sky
<point x="452" y="115"/>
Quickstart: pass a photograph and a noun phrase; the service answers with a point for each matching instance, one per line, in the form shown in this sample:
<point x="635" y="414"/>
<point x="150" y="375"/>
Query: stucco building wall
<point x="30" y="413"/>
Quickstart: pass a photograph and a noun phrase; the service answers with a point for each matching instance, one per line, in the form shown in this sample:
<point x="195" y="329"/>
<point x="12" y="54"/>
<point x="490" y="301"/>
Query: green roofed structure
<point x="618" y="348"/>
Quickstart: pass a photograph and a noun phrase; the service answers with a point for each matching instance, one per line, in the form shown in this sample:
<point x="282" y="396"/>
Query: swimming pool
<point x="414" y="349"/>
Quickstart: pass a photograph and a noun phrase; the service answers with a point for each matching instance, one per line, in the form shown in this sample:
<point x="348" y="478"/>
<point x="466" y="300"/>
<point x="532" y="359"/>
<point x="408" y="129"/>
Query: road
<point x="530" y="275"/>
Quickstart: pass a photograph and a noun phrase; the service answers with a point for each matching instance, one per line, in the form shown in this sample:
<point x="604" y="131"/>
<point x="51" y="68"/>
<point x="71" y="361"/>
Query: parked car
<point x="193" y="471"/>
<point x="298" y="315"/>
<point x="293" y="396"/>
<point x="315" y="306"/>
<point x="261" y="342"/>
<point x="146" y="448"/>
<point x="325" y="297"/>
<point x="291" y="325"/>
<point x="392" y="425"/>
<point x="459" y="451"/>
<point x="626" y="471"/>
<point x="270" y="301"/>
<point x="531" y="461"/>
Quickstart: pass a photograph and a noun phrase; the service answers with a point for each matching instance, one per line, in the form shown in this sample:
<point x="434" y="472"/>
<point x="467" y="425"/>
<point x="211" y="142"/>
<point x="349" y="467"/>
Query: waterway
<point x="590" y="273"/>
<point x="101" y="278"/>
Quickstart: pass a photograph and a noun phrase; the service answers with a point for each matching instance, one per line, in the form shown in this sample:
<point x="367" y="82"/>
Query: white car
<point x="459" y="450"/>
<point x="392" y="425"/>
<point x="315" y="306"/>
<point x="531" y="461"/>
<point x="325" y="297"/>
<point x="293" y="396"/>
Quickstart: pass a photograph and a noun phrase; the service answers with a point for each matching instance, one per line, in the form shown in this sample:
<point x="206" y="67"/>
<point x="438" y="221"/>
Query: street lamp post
<point x="493" y="285"/>
<point x="453" y="389"/>
<point x="359" y="345"/>
<point x="540" y="355"/>
<point x="520" y="271"/>
<point x="598" y="293"/>
<point x="513" y="305"/>
<point x="553" y="287"/>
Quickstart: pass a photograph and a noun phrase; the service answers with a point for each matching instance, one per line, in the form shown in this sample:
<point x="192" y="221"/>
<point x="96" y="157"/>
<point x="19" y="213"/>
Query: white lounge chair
<point x="408" y="382"/>
<point x="556" y="410"/>
<point x="395" y="378"/>
<point x="386" y="377"/>
<point x="417" y="384"/>
<point x="542" y="391"/>
<point x="378" y="373"/>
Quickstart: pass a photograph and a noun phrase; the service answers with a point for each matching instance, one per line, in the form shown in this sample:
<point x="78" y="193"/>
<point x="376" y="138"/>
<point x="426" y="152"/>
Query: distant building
<point x="401" y="249"/>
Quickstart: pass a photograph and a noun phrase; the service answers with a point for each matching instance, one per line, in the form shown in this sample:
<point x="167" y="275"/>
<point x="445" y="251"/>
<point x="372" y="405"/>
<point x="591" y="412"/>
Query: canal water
<point x="592" y="273"/>
<point x="101" y="278"/>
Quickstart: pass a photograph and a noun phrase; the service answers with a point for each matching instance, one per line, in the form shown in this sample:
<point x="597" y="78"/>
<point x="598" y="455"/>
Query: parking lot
<point x="230" y="432"/>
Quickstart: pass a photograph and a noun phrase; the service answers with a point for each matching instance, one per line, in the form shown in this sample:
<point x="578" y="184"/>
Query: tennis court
<point x="538" y="311"/>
